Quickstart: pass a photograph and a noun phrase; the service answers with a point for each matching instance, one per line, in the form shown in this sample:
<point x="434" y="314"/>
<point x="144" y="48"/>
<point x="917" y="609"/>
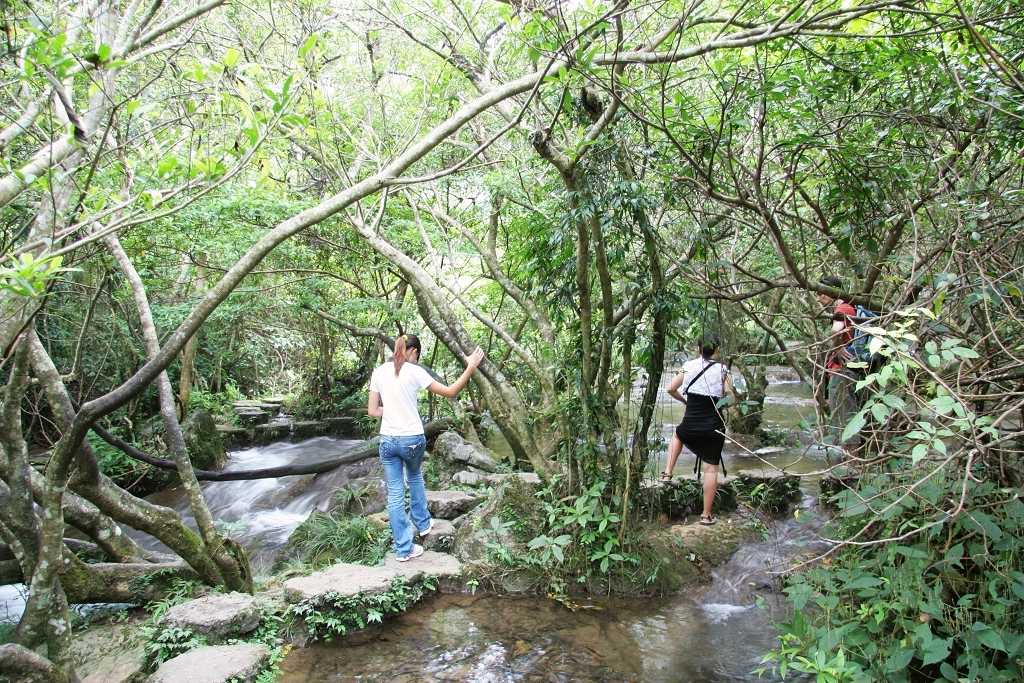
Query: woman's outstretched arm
<point x="451" y="391"/>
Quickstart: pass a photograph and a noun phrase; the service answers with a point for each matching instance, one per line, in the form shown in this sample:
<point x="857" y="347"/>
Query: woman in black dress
<point x="704" y="381"/>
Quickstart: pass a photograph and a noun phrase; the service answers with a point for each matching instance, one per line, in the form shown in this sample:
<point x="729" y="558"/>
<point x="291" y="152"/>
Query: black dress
<point x="702" y="430"/>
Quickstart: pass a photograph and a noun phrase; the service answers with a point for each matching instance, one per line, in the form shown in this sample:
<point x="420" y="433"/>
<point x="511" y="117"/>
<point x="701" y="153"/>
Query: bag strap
<point x="706" y="368"/>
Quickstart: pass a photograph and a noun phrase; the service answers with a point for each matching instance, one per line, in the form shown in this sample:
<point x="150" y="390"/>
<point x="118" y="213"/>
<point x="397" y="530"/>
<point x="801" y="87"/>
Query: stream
<point x="716" y="636"/>
<point x="714" y="633"/>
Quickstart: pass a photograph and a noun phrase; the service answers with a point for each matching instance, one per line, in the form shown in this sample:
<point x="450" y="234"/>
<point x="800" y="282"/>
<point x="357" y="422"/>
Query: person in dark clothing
<point x="704" y="382"/>
<point x="842" y="400"/>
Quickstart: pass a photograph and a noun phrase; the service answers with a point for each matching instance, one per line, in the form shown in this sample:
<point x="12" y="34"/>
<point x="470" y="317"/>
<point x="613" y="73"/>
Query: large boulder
<point x="216" y="616"/>
<point x="203" y="440"/>
<point x="450" y="504"/>
<point x="452" y="447"/>
<point x="214" y="664"/>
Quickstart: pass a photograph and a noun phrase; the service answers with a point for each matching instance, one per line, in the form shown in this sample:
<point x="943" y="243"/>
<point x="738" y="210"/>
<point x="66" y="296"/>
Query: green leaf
<point x="988" y="636"/>
<point x="855" y="425"/>
<point x="308" y="45"/>
<point x="920" y="450"/>
<point x="899" y="659"/>
<point x="936" y="651"/>
<point x="231" y="57"/>
<point x="103" y="52"/>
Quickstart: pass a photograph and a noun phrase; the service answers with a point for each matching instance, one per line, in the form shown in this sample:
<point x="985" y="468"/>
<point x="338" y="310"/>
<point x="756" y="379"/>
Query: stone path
<point x="468" y="478"/>
<point x="213" y="664"/>
<point x="216" y="616"/>
<point x="756" y="476"/>
<point x="348" y="580"/>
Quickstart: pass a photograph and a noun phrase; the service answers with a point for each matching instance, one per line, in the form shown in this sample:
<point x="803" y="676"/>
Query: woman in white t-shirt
<point x="705" y="381"/>
<point x="394" y="394"/>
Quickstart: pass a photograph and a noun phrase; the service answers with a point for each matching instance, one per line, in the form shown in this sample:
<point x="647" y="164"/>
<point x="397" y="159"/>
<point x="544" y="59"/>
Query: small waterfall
<point x="262" y="513"/>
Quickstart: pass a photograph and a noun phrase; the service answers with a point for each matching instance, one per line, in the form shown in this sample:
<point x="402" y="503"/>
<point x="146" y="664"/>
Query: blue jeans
<point x="403" y="455"/>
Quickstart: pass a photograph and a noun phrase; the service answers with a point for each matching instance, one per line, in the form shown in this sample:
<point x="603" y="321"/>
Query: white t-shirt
<point x="711" y="383"/>
<point x="398" y="396"/>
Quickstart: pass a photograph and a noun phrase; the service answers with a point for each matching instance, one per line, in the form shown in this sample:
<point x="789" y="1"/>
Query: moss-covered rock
<point x="204" y="441"/>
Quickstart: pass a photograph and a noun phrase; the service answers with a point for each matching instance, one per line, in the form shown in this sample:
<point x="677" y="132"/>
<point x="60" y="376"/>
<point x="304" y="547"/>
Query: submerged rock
<point x="214" y="664"/>
<point x="216" y="616"/>
<point x="453" y="447"/>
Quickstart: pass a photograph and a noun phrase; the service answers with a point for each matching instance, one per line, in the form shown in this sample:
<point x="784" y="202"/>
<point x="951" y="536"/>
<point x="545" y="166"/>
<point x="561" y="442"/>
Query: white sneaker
<point x="417" y="550"/>
<point x="430" y="527"/>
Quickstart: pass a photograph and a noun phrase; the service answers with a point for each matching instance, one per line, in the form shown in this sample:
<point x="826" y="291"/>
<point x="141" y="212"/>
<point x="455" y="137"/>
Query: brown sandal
<point x="665" y="476"/>
<point x="707" y="520"/>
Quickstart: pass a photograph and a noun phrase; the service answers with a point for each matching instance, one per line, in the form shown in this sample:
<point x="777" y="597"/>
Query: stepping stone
<point x="348" y="580"/>
<point x="216" y="615"/>
<point x="468" y="478"/>
<point x="440" y="537"/>
<point x="450" y="504"/>
<point x="213" y="664"/>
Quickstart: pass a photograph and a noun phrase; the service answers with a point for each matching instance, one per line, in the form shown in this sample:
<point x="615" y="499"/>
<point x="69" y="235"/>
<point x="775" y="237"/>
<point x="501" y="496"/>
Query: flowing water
<point x="262" y="513"/>
<point x="715" y="634"/>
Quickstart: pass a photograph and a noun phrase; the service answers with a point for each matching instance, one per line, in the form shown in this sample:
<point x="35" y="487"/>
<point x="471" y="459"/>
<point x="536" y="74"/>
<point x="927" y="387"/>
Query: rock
<point x="450" y="504"/>
<point x="234" y="437"/>
<point x="204" y="441"/>
<point x="769" y="450"/>
<point x="216" y="616"/>
<point x="453" y="447"/>
<point x="120" y="666"/>
<point x="441" y="536"/>
<point x="213" y="664"/>
<point x="348" y="580"/>
<point x="268" y="433"/>
<point x="308" y="429"/>
<point x="252" y="416"/>
<point x="475" y="531"/>
<point x="468" y="478"/>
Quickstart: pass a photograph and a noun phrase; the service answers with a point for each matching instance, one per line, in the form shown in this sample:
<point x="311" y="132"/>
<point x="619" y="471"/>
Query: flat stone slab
<point x="468" y="478"/>
<point x="216" y="615"/>
<point x="213" y="664"/>
<point x="348" y="580"/>
<point x="450" y="504"/>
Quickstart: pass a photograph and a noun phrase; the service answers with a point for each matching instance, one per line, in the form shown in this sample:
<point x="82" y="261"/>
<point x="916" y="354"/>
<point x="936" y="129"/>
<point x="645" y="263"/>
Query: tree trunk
<point x="233" y="563"/>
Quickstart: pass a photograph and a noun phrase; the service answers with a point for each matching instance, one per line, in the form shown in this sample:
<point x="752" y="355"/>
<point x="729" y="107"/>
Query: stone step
<point x="440" y="537"/>
<point x="450" y="504"/>
<point x="216" y="616"/>
<point x="213" y="664"/>
<point x="756" y="475"/>
<point x="348" y="580"/>
<point x="468" y="478"/>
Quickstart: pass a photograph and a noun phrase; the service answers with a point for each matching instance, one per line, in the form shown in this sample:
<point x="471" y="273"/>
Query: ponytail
<point x="402" y="345"/>
<point x="399" y="354"/>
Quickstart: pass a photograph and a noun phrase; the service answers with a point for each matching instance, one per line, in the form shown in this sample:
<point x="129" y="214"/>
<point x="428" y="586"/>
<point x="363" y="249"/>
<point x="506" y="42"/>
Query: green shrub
<point x="332" y="615"/>
<point x="325" y="538"/>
